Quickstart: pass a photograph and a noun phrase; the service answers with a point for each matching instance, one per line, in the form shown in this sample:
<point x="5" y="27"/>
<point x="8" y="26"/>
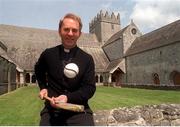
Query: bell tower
<point x="104" y="26"/>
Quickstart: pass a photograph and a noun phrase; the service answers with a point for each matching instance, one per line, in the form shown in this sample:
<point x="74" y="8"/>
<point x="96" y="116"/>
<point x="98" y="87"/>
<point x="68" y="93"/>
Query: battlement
<point x="105" y="17"/>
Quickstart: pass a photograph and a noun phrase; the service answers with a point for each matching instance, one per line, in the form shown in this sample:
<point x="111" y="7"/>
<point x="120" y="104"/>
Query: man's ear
<point x="59" y="31"/>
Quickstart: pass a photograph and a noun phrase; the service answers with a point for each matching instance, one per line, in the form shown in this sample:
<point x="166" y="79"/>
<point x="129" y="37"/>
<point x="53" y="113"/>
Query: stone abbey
<point x="123" y="56"/>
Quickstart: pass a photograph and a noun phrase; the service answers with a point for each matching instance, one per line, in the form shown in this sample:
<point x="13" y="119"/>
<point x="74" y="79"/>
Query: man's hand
<point x="61" y="98"/>
<point x="56" y="100"/>
<point x="43" y="93"/>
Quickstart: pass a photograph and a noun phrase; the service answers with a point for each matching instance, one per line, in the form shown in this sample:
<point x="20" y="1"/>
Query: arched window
<point x="156" y="79"/>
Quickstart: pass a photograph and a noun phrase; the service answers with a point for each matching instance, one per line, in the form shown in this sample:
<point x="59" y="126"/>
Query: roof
<point x="100" y="59"/>
<point x="115" y="64"/>
<point x="161" y="37"/>
<point x="115" y="36"/>
<point x="24" y="45"/>
<point x="4" y="55"/>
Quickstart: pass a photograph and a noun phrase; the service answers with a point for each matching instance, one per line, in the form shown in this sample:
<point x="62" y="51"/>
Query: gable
<point x="161" y="37"/>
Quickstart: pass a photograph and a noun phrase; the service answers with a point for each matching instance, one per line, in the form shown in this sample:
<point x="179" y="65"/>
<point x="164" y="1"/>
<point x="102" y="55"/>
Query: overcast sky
<point x="146" y="14"/>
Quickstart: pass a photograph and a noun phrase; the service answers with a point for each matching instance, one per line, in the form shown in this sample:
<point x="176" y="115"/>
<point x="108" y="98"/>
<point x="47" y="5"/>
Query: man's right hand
<point x="43" y="93"/>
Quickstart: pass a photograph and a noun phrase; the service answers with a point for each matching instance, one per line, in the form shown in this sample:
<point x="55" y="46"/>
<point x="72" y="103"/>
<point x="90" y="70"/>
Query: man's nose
<point x="70" y="33"/>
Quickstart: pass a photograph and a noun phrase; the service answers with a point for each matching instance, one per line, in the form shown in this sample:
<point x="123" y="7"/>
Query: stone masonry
<point x="148" y="115"/>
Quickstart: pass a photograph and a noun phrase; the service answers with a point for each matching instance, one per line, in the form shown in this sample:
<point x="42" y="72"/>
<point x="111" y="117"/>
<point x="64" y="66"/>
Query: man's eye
<point x="74" y="30"/>
<point x="66" y="29"/>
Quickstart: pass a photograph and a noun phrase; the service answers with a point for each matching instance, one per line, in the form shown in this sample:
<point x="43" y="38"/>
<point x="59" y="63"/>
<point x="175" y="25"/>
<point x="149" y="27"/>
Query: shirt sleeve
<point x="87" y="86"/>
<point x="40" y="71"/>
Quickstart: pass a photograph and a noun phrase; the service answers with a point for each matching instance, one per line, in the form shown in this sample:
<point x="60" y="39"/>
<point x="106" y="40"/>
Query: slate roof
<point x="113" y="65"/>
<point x="161" y="37"/>
<point x="115" y="36"/>
<point x="4" y="55"/>
<point x="24" y="45"/>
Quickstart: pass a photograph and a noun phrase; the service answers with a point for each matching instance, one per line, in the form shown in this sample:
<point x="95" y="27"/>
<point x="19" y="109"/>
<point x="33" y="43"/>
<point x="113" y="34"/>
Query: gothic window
<point x="156" y="79"/>
<point x="112" y="26"/>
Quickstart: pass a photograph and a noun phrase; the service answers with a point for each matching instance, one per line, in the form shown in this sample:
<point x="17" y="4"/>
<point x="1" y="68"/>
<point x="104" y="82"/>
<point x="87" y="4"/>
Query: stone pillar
<point x="99" y="78"/>
<point x="30" y="74"/>
<point x="21" y="78"/>
<point x="110" y="78"/>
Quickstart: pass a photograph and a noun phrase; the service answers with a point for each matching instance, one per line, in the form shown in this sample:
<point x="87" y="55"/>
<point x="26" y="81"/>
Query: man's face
<point x="69" y="32"/>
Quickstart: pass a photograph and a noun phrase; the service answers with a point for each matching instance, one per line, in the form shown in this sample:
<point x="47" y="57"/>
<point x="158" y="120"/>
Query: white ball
<point x="71" y="70"/>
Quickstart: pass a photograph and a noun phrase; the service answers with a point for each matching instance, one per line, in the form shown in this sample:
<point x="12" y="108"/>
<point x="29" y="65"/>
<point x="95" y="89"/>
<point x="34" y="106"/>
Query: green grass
<point x="109" y="97"/>
<point x="22" y="106"/>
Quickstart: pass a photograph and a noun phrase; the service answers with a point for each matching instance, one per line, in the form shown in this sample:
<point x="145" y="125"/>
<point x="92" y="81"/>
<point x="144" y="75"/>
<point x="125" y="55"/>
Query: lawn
<point x="109" y="97"/>
<point x="22" y="106"/>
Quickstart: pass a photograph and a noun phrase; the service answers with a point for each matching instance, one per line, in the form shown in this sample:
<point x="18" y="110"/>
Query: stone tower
<point x="104" y="26"/>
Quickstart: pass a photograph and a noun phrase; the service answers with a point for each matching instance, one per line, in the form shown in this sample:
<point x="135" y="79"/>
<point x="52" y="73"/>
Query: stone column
<point x="30" y="74"/>
<point x="21" y="78"/>
<point x="99" y="78"/>
<point x="110" y="78"/>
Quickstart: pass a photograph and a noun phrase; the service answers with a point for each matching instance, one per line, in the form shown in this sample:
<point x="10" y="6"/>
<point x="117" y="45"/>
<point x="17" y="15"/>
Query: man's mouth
<point x="70" y="39"/>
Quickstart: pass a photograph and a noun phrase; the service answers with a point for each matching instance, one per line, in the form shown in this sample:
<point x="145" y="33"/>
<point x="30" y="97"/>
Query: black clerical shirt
<point x="49" y="74"/>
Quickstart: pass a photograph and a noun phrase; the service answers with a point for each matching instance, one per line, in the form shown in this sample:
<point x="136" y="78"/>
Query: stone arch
<point x="117" y="77"/>
<point x="175" y="77"/>
<point x="27" y="78"/>
<point x="156" y="79"/>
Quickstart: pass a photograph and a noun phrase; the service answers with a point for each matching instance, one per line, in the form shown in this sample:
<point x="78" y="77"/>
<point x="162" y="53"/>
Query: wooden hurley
<point x="68" y="106"/>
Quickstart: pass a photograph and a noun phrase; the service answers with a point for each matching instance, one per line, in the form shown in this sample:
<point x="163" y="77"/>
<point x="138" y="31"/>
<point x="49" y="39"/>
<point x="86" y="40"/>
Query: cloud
<point x="152" y="14"/>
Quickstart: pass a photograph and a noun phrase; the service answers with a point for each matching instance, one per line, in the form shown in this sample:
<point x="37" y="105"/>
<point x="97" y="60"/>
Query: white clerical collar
<point x="66" y="50"/>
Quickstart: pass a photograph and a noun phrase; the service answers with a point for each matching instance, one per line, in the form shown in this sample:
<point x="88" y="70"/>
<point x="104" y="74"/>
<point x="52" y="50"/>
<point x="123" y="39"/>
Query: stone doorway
<point x="117" y="77"/>
<point x="175" y="77"/>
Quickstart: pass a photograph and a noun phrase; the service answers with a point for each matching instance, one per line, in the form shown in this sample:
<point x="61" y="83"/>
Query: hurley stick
<point x="68" y="106"/>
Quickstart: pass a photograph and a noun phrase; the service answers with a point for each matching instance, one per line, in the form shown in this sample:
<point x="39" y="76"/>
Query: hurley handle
<point x="68" y="106"/>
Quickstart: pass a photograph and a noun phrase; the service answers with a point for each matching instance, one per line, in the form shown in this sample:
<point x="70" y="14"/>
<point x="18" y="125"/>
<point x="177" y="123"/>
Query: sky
<point x="148" y="15"/>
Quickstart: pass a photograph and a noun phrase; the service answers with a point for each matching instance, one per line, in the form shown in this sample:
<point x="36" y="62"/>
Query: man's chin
<point x="69" y="46"/>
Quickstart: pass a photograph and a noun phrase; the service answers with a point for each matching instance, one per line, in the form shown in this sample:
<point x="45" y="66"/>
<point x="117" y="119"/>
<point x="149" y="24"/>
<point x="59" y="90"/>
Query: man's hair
<point x="71" y="16"/>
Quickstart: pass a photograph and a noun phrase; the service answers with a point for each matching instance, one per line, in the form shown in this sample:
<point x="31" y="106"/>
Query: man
<point x="54" y="83"/>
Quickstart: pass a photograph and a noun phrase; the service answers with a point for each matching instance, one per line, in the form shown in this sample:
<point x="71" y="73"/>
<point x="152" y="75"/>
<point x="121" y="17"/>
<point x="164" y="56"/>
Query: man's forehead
<point x="70" y="23"/>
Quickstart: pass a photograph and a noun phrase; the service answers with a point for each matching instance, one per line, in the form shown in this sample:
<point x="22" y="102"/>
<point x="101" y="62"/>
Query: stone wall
<point x="148" y="115"/>
<point x="7" y="76"/>
<point x="163" y="61"/>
